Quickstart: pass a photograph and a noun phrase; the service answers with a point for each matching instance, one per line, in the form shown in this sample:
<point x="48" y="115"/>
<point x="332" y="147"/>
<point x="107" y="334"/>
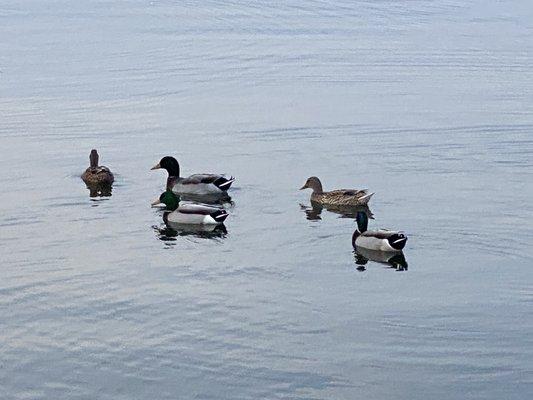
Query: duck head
<point x="362" y="224"/>
<point x="313" y="183"/>
<point x="93" y="158"/>
<point x="170" y="164"/>
<point x="168" y="198"/>
<point x="362" y="221"/>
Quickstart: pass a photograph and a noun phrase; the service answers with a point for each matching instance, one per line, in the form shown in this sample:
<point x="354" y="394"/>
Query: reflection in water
<point x="220" y="199"/>
<point x="313" y="213"/>
<point x="169" y="232"/>
<point x="99" y="190"/>
<point x="393" y="260"/>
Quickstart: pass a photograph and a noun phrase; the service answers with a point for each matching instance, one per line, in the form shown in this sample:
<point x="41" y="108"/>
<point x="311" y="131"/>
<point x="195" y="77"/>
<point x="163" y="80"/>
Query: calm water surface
<point x="427" y="103"/>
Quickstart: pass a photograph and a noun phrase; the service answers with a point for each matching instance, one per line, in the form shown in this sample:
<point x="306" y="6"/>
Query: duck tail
<point x="397" y="241"/>
<point x="224" y="183"/>
<point x="365" y="198"/>
<point x="219" y="216"/>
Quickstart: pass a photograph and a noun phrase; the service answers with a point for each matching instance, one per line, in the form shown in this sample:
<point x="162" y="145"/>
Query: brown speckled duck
<point x="97" y="174"/>
<point x="341" y="197"/>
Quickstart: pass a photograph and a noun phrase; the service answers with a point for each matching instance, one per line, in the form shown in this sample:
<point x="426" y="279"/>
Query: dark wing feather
<point x="102" y="170"/>
<point x="200" y="178"/>
<point x="381" y="234"/>
<point x="197" y="209"/>
<point x="353" y="192"/>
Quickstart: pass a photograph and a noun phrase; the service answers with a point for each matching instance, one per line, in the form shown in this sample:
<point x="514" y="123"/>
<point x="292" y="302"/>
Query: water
<point x="427" y="103"/>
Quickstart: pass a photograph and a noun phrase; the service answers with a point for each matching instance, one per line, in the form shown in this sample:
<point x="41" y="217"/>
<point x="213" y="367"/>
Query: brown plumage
<point x="95" y="174"/>
<point x="340" y="197"/>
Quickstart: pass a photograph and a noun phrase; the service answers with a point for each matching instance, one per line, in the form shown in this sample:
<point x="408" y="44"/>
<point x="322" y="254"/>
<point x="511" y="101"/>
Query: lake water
<point x="427" y="103"/>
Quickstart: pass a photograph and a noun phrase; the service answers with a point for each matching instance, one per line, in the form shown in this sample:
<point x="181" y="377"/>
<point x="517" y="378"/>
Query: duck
<point x="340" y="197"/>
<point x="381" y="240"/>
<point x="190" y="213"/>
<point x="97" y="174"/>
<point x="197" y="184"/>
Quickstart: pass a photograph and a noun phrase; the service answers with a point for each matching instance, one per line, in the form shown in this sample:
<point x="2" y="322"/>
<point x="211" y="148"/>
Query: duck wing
<point x="218" y="180"/>
<point x="352" y="192"/>
<point x="381" y="234"/>
<point x="203" y="214"/>
<point x="349" y="196"/>
<point x="197" y="209"/>
<point x="98" y="175"/>
<point x="199" y="178"/>
<point x="98" y="170"/>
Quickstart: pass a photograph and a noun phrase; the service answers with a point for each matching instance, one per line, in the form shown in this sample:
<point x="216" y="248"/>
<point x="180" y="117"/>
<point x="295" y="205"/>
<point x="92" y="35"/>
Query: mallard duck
<point x="341" y="197"/>
<point x="198" y="184"/>
<point x="97" y="174"/>
<point x="191" y="214"/>
<point x="381" y="240"/>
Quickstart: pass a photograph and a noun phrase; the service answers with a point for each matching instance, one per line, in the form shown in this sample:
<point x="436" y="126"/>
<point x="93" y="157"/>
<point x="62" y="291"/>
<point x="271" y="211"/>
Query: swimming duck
<point x="198" y="184"/>
<point x="341" y="197"/>
<point x="97" y="174"/>
<point x="193" y="214"/>
<point x="381" y="240"/>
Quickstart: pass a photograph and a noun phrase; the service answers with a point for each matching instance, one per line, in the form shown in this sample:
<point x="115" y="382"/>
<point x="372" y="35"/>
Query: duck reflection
<point x="314" y="212"/>
<point x="393" y="260"/>
<point x="99" y="190"/>
<point x="171" y="231"/>
<point x="215" y="199"/>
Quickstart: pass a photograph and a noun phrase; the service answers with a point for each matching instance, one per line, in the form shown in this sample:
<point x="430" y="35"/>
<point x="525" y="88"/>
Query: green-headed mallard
<point x="198" y="184"/>
<point x="380" y="240"/>
<point x="189" y="214"/>
<point x="341" y="197"/>
<point x="97" y="174"/>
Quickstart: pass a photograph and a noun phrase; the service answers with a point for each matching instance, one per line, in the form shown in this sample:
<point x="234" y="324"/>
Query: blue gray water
<point x="427" y="103"/>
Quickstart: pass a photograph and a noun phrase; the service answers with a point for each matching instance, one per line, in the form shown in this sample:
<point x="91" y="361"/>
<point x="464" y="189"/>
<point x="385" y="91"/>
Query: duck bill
<point x="156" y="202"/>
<point x="157" y="166"/>
<point x="303" y="187"/>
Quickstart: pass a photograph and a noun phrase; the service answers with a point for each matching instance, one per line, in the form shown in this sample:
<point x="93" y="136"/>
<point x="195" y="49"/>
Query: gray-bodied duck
<point x="189" y="214"/>
<point x="97" y="174"/>
<point x="380" y="240"/>
<point x="341" y="197"/>
<point x="197" y="184"/>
